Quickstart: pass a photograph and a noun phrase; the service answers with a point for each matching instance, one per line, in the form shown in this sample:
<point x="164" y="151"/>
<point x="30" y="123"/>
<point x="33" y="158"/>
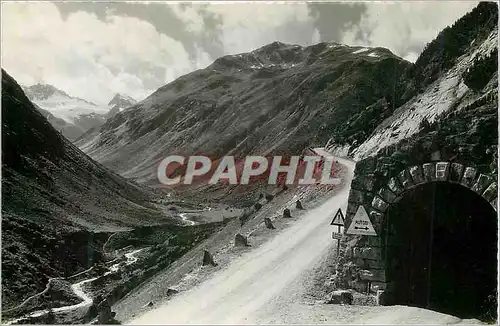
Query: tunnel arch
<point x="439" y="248"/>
<point x="395" y="188"/>
<point x="371" y="254"/>
<point x="416" y="175"/>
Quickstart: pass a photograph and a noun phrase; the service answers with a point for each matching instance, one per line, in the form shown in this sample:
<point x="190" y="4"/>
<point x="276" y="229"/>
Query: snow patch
<point x="262" y="65"/>
<point x="361" y="50"/>
<point x="68" y="108"/>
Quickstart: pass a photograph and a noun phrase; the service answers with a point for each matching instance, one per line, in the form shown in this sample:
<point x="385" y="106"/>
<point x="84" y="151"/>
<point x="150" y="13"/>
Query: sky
<point x="93" y="50"/>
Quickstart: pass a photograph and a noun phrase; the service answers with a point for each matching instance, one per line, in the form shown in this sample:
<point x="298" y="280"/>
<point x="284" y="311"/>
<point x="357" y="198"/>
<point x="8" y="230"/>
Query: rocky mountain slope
<point x="54" y="197"/>
<point x="277" y="99"/>
<point x="73" y="116"/>
<point x="447" y="77"/>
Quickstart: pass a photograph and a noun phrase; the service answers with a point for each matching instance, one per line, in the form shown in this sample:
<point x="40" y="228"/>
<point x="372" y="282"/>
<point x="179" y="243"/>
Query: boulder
<point x="269" y="197"/>
<point x="286" y="213"/>
<point x="340" y="297"/>
<point x="171" y="292"/>
<point x="298" y="205"/>
<point x="257" y="206"/>
<point x="240" y="241"/>
<point x="268" y="223"/>
<point x="208" y="259"/>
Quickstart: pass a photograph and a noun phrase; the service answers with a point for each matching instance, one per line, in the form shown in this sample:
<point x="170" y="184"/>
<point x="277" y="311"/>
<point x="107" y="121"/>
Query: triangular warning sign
<point x="361" y="223"/>
<point x="338" y="219"/>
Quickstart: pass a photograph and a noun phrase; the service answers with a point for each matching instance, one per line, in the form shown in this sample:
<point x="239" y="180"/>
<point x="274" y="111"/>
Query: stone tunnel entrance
<point x="440" y="250"/>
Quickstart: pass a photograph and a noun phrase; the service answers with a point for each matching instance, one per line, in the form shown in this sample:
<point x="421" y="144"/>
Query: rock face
<point x="340" y="297"/>
<point x="286" y="213"/>
<point x="47" y="181"/>
<point x="240" y="241"/>
<point x="208" y="259"/>
<point x="268" y="223"/>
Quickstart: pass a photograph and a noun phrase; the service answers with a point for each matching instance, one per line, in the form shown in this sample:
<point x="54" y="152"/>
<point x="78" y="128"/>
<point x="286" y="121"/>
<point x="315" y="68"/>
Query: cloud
<point x="95" y="49"/>
<point x="333" y="19"/>
<point x="405" y="27"/>
<point x="88" y="57"/>
<point x="244" y="27"/>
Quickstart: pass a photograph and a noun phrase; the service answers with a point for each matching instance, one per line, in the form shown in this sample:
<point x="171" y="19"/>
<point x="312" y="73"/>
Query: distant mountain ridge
<point x="70" y="115"/>
<point x="122" y="100"/>
<point x="40" y="92"/>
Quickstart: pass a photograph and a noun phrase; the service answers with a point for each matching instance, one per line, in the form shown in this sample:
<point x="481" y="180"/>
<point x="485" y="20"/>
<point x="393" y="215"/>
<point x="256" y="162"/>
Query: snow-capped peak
<point x="122" y="101"/>
<point x="40" y="92"/>
<point x="118" y="103"/>
<point x="74" y="111"/>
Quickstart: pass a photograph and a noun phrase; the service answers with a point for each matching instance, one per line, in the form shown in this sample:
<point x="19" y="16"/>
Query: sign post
<point x="338" y="220"/>
<point x="361" y="223"/>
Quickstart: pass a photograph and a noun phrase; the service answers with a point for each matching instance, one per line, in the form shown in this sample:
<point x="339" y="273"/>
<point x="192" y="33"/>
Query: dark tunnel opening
<point x="441" y="251"/>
